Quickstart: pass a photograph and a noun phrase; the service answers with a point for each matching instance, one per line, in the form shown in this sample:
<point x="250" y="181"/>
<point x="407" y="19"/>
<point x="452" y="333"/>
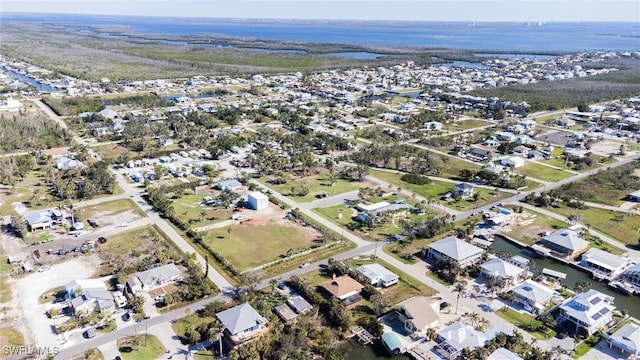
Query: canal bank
<point x="628" y="302"/>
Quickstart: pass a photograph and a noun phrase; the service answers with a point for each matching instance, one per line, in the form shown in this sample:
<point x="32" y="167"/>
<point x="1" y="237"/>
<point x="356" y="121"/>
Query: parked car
<point x="126" y="316"/>
<point x="304" y="265"/>
<point x="102" y="240"/>
<point x="44" y="268"/>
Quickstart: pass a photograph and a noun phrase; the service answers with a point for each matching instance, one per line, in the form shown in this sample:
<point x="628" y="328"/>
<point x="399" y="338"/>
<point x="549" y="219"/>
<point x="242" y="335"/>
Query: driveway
<point x="109" y="350"/>
<point x="164" y="332"/>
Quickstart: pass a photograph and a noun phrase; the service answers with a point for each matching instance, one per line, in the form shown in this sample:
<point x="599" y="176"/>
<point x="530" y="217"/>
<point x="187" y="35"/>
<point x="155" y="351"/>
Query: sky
<point x="410" y="10"/>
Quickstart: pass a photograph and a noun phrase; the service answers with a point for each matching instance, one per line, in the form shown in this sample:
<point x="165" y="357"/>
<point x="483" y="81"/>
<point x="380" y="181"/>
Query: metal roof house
<point x="458" y="336"/>
<point x="565" y="243"/>
<point x="43" y="219"/>
<point x="158" y="276"/>
<point x="242" y="323"/>
<point x="626" y="340"/>
<point x="497" y="270"/>
<point x="378" y="275"/>
<point x="532" y="296"/>
<point x="603" y="264"/>
<point x="587" y="312"/>
<point x="456" y="249"/>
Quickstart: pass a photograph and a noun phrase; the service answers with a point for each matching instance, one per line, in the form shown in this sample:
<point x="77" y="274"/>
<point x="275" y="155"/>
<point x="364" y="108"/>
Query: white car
<point x="44" y="268"/>
<point x="304" y="265"/>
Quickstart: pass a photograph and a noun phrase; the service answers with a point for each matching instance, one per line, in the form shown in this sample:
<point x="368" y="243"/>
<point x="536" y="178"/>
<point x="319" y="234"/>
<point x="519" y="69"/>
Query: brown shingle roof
<point x="341" y="285"/>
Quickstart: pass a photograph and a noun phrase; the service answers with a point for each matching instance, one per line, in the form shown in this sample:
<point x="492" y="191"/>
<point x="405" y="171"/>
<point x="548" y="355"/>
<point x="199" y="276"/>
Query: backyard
<point x="525" y="322"/>
<point x="250" y="244"/>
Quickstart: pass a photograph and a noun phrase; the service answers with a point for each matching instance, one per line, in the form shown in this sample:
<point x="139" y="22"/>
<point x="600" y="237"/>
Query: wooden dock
<point x="363" y="335"/>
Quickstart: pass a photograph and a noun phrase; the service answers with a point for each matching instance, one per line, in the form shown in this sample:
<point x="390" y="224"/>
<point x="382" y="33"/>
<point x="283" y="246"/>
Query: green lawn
<point x="9" y="337"/>
<point x="466" y="124"/>
<point x="316" y="184"/>
<point x="434" y="190"/>
<point x="247" y="246"/>
<point x="190" y="210"/>
<point x="559" y="159"/>
<point x="91" y="354"/>
<point x="378" y="233"/>
<point x="523" y="321"/>
<point x="618" y="225"/>
<point x="126" y="242"/>
<point x="140" y="347"/>
<point x="542" y="172"/>
<point x="181" y="325"/>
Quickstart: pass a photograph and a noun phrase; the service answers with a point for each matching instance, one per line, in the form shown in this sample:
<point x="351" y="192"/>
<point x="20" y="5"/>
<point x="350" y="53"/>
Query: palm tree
<point x="459" y="288"/>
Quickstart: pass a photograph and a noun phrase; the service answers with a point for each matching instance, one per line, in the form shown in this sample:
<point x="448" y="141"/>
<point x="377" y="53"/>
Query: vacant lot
<point x="9" y="337"/>
<point x="527" y="226"/>
<point x="189" y="208"/>
<point x="542" y="172"/>
<point x="434" y="190"/>
<point x="618" y="225"/>
<point x="254" y="243"/>
<point x="316" y="184"/>
<point x="125" y="208"/>
<point x="466" y="124"/>
<point x="140" y="347"/>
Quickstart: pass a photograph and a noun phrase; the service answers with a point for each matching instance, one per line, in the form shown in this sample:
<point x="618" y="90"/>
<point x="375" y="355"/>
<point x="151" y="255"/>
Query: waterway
<point x="631" y="303"/>
<point x="31" y="81"/>
<point x="370" y="352"/>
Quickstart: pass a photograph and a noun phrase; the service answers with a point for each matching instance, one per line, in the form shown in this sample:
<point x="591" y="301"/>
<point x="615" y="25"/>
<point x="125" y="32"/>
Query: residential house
<point x="626" y="340"/>
<point x="532" y="296"/>
<point x="65" y="163"/>
<point x="504" y="354"/>
<point x="565" y="243"/>
<point x="43" y="219"/>
<point x="90" y="300"/>
<point x="463" y="190"/>
<point x="158" y="276"/>
<point x="587" y="312"/>
<point x="378" y="275"/>
<point x="632" y="275"/>
<point x="344" y="288"/>
<point x="512" y="161"/>
<point x="433" y="125"/>
<point x="294" y="307"/>
<point x="498" y="270"/>
<point x="77" y="287"/>
<point x="109" y="114"/>
<point x="521" y="150"/>
<point x="242" y="323"/>
<point x="458" y="250"/>
<point x="230" y="185"/>
<point x="458" y="336"/>
<point x="634" y="196"/>
<point x="417" y="314"/>
<point x="482" y="154"/>
<point x="603" y="264"/>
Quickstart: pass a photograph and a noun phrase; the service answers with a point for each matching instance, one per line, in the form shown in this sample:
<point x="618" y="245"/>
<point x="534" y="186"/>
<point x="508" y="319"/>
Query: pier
<point x="364" y="337"/>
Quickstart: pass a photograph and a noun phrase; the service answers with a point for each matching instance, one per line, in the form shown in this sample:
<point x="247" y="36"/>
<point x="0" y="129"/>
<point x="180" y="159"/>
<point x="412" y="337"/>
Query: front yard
<point x="542" y="172"/>
<point x="140" y="347"/>
<point x="525" y="322"/>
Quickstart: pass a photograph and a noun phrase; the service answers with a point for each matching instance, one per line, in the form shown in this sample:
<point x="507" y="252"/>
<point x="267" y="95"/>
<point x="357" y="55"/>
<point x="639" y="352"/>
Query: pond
<point x="631" y="303"/>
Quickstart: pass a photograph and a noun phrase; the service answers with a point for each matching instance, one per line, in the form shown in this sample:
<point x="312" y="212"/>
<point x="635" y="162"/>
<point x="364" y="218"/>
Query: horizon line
<point x="535" y="22"/>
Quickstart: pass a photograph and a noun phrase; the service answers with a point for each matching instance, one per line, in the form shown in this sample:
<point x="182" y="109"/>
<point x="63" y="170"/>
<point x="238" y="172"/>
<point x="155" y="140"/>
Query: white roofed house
<point x="498" y="271"/>
<point x="377" y="275"/>
<point x="458" y="336"/>
<point x="532" y="296"/>
<point x="603" y="264"/>
<point x="460" y="251"/>
<point x="626" y="340"/>
<point x="66" y="163"/>
<point x="565" y="243"/>
<point x="463" y="190"/>
<point x="242" y="323"/>
<point x="587" y="312"/>
<point x="158" y="276"/>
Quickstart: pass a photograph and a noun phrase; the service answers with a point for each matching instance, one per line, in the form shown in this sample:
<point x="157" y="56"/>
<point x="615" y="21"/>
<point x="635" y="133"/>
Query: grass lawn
<point x="375" y="234"/>
<point x="436" y="189"/>
<point x="112" y="207"/>
<point x="49" y="295"/>
<point x="316" y="184"/>
<point x="140" y="347"/>
<point x="189" y="209"/>
<point x="5" y="270"/>
<point x="581" y="349"/>
<point x="248" y="246"/>
<point x="543" y="172"/>
<point x="9" y="337"/>
<point x="618" y="225"/>
<point x="91" y="354"/>
<point x="523" y="321"/>
<point x="601" y="194"/>
<point x="466" y="124"/>
<point x="181" y="325"/>
<point x="559" y="159"/>
<point x="126" y="242"/>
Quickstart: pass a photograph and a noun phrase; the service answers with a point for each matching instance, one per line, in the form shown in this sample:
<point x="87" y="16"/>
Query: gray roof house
<point x="294" y="306"/>
<point x="66" y="163"/>
<point x="378" y="275"/>
<point x="463" y="190"/>
<point x="626" y="340"/>
<point x="456" y="249"/>
<point x="158" y="276"/>
<point x="43" y="219"/>
<point x="242" y="323"/>
<point x="92" y="299"/>
<point x="230" y="185"/>
<point x="603" y="264"/>
<point x="634" y="196"/>
<point x="532" y="296"/>
<point x="565" y="243"/>
<point x="498" y="270"/>
<point x="587" y="312"/>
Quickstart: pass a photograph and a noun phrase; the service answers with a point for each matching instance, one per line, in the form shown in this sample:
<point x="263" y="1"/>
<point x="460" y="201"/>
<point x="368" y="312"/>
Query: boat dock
<point x="364" y="337"/>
